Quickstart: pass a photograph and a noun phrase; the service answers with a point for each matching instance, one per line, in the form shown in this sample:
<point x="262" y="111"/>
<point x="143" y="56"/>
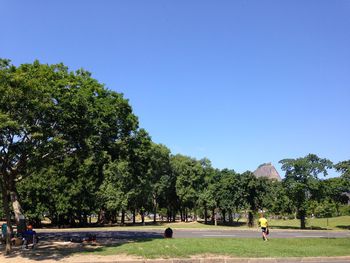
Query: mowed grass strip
<point x="334" y="223"/>
<point x="246" y="247"/>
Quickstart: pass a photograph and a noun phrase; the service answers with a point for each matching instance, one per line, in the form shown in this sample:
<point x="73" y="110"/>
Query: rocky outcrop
<point x="267" y="170"/>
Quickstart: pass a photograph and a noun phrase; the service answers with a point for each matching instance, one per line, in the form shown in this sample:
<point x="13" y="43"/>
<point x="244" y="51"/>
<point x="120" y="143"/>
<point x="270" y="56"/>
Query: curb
<point x="229" y="260"/>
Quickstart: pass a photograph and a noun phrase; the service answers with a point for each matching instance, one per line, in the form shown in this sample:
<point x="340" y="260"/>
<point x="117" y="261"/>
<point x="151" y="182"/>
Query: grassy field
<point x="339" y="223"/>
<point x="334" y="223"/>
<point x="182" y="248"/>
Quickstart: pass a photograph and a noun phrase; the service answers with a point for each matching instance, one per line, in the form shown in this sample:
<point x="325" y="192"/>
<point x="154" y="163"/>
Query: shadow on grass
<point x="233" y="224"/>
<point x="297" y="227"/>
<point x="55" y="246"/>
<point x="165" y="223"/>
<point x="344" y="227"/>
<point x="122" y="242"/>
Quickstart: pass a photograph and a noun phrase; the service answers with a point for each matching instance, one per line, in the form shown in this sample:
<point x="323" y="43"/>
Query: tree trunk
<point x="102" y="216"/>
<point x="17" y="209"/>
<point x="230" y="219"/>
<point x="5" y="202"/>
<point x="134" y="216"/>
<point x="194" y="214"/>
<point x="122" y="220"/>
<point x="205" y="215"/>
<point x="224" y="216"/>
<point x="250" y="219"/>
<point x="155" y="216"/>
<point x="302" y="215"/>
<point x="154" y="208"/>
<point x="174" y="215"/>
<point x="142" y="217"/>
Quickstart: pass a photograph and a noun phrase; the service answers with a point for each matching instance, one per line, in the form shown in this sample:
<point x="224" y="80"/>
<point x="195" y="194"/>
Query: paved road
<point x="189" y="233"/>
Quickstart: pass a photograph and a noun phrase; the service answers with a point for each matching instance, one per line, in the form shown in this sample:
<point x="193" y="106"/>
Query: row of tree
<point x="70" y="148"/>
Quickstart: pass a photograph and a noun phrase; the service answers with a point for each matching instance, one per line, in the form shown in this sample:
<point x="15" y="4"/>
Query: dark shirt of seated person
<point x="29" y="236"/>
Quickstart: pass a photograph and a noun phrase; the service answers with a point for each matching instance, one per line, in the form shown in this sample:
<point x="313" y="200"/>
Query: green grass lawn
<point x="245" y="247"/>
<point x="334" y="223"/>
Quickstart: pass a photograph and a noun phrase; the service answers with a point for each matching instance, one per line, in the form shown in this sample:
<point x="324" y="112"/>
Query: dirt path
<point x="53" y="251"/>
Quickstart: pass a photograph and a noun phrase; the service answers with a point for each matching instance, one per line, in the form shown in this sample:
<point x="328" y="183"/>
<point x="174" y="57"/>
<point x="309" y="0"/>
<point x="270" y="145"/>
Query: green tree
<point x="139" y="158"/>
<point x="230" y="193"/>
<point x="113" y="192"/>
<point x="160" y="176"/>
<point x="50" y="116"/>
<point x="334" y="190"/>
<point x="302" y="179"/>
<point x="280" y="203"/>
<point x="189" y="181"/>
<point x="255" y="192"/>
<point x="27" y="128"/>
<point x="344" y="168"/>
<point x="206" y="197"/>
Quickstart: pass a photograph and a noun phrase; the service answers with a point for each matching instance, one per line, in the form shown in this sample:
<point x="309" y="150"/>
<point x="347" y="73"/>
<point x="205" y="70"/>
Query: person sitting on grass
<point x="29" y="237"/>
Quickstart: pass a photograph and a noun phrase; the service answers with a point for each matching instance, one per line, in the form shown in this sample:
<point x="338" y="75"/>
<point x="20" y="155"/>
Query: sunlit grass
<point x="247" y="247"/>
<point x="334" y="223"/>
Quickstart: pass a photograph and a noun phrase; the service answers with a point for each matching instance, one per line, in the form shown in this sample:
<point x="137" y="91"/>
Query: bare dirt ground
<point x="54" y="251"/>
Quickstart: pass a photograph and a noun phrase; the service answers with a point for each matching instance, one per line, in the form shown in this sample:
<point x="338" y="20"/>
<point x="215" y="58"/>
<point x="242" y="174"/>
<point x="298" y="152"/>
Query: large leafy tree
<point x="27" y="127"/>
<point x="230" y="193"/>
<point x="279" y="202"/>
<point x="255" y="193"/>
<point x="51" y="116"/>
<point x="301" y="181"/>
<point x="139" y="164"/>
<point x="344" y="168"/>
<point x="189" y="181"/>
<point x="160" y="176"/>
<point x="206" y="197"/>
<point x="337" y="189"/>
<point x="114" y="190"/>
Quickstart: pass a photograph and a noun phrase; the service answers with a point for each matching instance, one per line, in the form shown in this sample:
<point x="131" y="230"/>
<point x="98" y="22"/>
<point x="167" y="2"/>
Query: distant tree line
<point x="70" y="148"/>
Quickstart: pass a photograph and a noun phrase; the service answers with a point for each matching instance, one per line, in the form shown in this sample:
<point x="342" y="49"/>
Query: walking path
<point x="62" y="234"/>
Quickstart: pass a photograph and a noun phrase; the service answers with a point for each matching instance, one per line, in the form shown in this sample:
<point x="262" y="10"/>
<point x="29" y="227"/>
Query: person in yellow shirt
<point x="264" y="226"/>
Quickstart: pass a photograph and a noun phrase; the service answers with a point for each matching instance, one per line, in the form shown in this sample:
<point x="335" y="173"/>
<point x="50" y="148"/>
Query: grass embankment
<point x="248" y="247"/>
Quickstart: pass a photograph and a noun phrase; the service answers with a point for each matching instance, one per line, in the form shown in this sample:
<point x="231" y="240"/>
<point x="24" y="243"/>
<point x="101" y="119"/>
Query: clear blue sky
<point x="240" y="82"/>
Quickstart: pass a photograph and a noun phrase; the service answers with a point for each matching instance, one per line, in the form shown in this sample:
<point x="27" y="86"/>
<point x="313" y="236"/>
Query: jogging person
<point x="264" y="226"/>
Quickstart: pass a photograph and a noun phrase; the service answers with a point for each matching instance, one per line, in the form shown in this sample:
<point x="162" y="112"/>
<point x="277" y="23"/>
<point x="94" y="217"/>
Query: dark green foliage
<point x="344" y="210"/>
<point x="302" y="182"/>
<point x="58" y="129"/>
<point x="190" y="176"/>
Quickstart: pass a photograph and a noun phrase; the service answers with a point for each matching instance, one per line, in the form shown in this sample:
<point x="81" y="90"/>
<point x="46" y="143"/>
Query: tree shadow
<point x="56" y="246"/>
<point x="228" y="224"/>
<point x="344" y="227"/>
<point x="297" y="227"/>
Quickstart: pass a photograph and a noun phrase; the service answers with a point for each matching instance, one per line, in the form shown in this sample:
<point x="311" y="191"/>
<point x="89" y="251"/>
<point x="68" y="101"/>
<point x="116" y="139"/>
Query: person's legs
<point x="263" y="230"/>
<point x="25" y="243"/>
<point x="265" y="236"/>
<point x="34" y="241"/>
